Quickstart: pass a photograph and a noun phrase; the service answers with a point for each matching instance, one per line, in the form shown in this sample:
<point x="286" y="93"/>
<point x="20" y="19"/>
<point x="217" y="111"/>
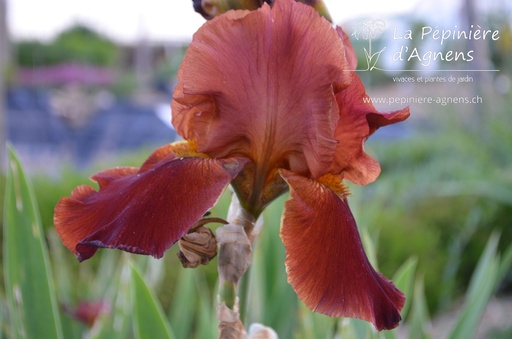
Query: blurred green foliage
<point x="185" y="307"/>
<point x="441" y="196"/>
<point x="77" y="44"/>
<point x="445" y="192"/>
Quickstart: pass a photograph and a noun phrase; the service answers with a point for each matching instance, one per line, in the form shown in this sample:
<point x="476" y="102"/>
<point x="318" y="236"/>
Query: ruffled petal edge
<point x="143" y="211"/>
<point x="325" y="259"/>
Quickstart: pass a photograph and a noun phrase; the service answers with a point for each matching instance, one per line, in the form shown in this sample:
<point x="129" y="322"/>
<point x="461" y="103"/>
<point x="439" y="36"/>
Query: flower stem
<point x="235" y="257"/>
<point x="244" y="294"/>
<point x="227" y="293"/>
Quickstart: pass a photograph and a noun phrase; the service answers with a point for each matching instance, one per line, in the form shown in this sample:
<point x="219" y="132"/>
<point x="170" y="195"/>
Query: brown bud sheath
<point x="199" y="245"/>
<point x="235" y="253"/>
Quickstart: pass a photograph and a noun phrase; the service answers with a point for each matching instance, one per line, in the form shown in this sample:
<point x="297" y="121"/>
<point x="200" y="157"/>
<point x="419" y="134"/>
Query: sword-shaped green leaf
<point x="481" y="288"/>
<point x="149" y="319"/>
<point x="29" y="285"/>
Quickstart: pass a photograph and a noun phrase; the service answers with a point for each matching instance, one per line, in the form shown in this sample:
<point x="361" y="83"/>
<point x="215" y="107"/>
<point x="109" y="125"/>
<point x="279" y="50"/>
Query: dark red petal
<point x="88" y="311"/>
<point x="143" y="211"/>
<point x="358" y="120"/>
<point x="325" y="260"/>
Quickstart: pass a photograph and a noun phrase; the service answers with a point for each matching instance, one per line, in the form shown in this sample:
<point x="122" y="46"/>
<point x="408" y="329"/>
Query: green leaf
<point x="480" y="290"/>
<point x="207" y="322"/>
<point x="419" y="312"/>
<point x="29" y="286"/>
<point x="488" y="189"/>
<point x="270" y="300"/>
<point x="481" y="274"/>
<point x="404" y="280"/>
<point x="355" y="328"/>
<point x="118" y="294"/>
<point x="149" y="318"/>
<point x="192" y="313"/>
<point x="506" y="262"/>
<point x="182" y="308"/>
<point x="389" y="334"/>
<point x="315" y="325"/>
<point x="369" y="248"/>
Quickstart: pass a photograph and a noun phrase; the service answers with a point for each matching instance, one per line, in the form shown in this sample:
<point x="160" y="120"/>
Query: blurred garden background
<point x="438" y="220"/>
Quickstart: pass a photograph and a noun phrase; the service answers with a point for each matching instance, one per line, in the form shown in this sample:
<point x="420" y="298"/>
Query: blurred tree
<point x="78" y="44"/>
<point x="501" y="49"/>
<point x="83" y="44"/>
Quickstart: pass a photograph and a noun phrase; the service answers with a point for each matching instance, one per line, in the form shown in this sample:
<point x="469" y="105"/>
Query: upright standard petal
<point x="262" y="84"/>
<point x="143" y="211"/>
<point x="358" y="120"/>
<point x="325" y="260"/>
<point x="350" y="53"/>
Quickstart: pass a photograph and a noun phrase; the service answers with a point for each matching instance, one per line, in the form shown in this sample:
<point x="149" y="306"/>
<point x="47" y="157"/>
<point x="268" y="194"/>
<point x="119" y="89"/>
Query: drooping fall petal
<point x="143" y="211"/>
<point x="262" y="84"/>
<point x="325" y="260"/>
<point x="358" y="120"/>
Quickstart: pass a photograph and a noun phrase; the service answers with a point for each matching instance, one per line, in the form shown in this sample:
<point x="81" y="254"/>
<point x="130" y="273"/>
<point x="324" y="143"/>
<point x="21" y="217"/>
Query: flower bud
<point x="199" y="245"/>
<point x="258" y="331"/>
<point x="212" y="8"/>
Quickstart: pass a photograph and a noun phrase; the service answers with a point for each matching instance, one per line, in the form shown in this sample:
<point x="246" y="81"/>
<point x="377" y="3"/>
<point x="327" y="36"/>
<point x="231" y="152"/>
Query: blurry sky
<point x="164" y="20"/>
<point x="129" y="20"/>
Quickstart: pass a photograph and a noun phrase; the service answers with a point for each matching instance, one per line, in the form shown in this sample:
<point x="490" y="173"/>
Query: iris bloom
<point x="266" y="101"/>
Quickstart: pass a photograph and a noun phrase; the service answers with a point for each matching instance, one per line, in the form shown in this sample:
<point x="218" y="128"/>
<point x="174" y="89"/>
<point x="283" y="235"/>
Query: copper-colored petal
<point x="325" y="260"/>
<point x="143" y="211"/>
<point x="320" y="7"/>
<point x="358" y="120"/>
<point x="262" y="84"/>
<point x="350" y="53"/>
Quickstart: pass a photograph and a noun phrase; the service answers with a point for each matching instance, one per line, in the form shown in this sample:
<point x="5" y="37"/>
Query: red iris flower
<point x="266" y="101"/>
